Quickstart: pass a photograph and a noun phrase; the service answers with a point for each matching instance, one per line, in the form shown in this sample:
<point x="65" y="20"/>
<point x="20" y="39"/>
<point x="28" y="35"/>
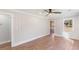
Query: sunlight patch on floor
<point x="66" y="36"/>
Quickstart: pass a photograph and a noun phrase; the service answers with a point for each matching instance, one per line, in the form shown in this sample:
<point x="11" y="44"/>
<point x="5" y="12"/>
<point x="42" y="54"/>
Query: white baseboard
<point x="75" y="38"/>
<point x="5" y="42"/>
<point x="58" y="35"/>
<point x="19" y="43"/>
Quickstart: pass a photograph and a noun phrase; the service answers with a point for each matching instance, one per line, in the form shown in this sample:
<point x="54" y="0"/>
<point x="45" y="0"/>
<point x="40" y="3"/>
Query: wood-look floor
<point x="49" y="42"/>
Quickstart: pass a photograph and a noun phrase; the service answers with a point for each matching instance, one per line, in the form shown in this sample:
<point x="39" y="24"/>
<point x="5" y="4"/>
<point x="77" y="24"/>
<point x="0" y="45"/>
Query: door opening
<point x="51" y="27"/>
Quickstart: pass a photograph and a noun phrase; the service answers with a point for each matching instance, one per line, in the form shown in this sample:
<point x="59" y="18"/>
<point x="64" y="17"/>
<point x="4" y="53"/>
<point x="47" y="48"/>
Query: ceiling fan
<point x="50" y="12"/>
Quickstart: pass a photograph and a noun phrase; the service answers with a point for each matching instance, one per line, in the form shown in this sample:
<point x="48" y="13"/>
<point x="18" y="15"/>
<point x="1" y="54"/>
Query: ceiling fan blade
<point x="46" y="10"/>
<point x="57" y="12"/>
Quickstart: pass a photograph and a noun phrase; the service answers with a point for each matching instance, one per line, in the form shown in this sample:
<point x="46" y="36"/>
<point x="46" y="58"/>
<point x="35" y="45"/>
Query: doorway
<point x="5" y="29"/>
<point x="52" y="27"/>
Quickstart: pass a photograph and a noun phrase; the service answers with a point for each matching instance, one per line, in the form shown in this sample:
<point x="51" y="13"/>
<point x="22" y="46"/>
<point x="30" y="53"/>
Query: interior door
<point x="51" y="27"/>
<point x="5" y="30"/>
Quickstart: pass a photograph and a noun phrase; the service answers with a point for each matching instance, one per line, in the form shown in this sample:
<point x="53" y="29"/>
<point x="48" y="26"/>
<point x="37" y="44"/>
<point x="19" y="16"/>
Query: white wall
<point x="75" y="33"/>
<point x="59" y="27"/>
<point x="28" y="27"/>
<point x="5" y="32"/>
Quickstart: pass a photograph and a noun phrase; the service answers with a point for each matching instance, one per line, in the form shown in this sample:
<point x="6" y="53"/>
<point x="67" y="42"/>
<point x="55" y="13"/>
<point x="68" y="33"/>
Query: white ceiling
<point x="40" y="12"/>
<point x="65" y="12"/>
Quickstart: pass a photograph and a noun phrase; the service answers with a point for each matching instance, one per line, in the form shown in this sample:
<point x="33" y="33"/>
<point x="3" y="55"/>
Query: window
<point x="68" y="25"/>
